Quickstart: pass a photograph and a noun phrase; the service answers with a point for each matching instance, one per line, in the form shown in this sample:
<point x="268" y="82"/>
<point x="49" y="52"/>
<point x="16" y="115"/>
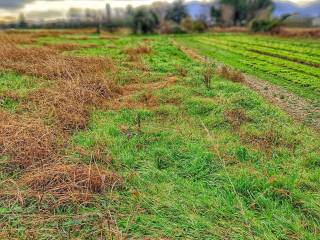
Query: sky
<point x="46" y="9"/>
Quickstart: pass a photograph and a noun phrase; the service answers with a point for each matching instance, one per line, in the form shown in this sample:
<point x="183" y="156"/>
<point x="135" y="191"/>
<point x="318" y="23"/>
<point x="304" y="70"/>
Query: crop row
<point x="307" y="49"/>
<point x="289" y="52"/>
<point x="295" y="67"/>
<point x="269" y="65"/>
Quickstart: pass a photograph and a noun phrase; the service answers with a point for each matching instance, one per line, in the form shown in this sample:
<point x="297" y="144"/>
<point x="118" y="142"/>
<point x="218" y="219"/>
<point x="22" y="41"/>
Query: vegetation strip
<point x="297" y="107"/>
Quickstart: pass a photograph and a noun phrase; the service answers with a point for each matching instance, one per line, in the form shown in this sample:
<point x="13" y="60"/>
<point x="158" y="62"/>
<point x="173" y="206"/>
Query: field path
<point x="298" y="108"/>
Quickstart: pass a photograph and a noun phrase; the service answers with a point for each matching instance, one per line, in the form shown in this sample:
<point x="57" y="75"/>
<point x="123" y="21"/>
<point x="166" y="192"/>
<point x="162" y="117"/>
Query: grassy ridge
<point x="198" y="163"/>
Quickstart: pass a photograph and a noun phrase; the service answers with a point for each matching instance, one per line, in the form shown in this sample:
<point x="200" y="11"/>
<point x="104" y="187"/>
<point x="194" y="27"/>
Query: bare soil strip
<point x="298" y="108"/>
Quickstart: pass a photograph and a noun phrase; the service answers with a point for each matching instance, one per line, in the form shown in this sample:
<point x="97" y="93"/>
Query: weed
<point x="208" y="73"/>
<point x="230" y="74"/>
<point x="235" y="117"/>
<point x="181" y="71"/>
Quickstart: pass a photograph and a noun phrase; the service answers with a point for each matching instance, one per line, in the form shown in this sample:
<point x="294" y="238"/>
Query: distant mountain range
<point x="312" y="9"/>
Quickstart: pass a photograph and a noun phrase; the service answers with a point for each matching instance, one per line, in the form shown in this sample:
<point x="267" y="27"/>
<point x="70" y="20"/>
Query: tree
<point x="129" y="11"/>
<point x="22" y="21"/>
<point x="177" y="12"/>
<point x="272" y="25"/>
<point x="108" y="13"/>
<point x="245" y="10"/>
<point x="145" y="21"/>
<point x="215" y="14"/>
<point x="160" y="9"/>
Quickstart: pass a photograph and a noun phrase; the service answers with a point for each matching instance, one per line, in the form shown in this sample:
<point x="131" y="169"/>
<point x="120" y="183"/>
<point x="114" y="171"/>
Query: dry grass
<point x="9" y="94"/>
<point x="299" y="32"/>
<point x="70" y="182"/>
<point x="230" y="74"/>
<point x="48" y="63"/>
<point x="230" y="29"/>
<point x="268" y="140"/>
<point x="128" y="89"/>
<point x="68" y="46"/>
<point x="77" y="84"/>
<point x="235" y="117"/>
<point x="141" y="49"/>
<point x="13" y="37"/>
<point x="28" y="142"/>
<point x="134" y="54"/>
<point x="16" y="39"/>
<point x="70" y="113"/>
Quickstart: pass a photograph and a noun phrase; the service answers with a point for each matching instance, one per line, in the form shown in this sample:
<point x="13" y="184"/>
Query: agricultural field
<point x="291" y="63"/>
<point x="130" y="137"/>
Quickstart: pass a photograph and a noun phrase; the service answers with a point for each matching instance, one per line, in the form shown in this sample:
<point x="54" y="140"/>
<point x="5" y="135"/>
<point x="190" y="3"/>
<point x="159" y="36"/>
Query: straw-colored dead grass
<point x="230" y="74"/>
<point x="59" y="179"/>
<point x="235" y="117"/>
<point x="48" y="63"/>
<point x="68" y="46"/>
<point x="58" y="184"/>
<point x="79" y="82"/>
<point x="267" y="141"/>
<point x="13" y="37"/>
<point x="298" y="32"/>
<point x="28" y="142"/>
<point x="70" y="102"/>
<point x="76" y="85"/>
<point x="70" y="113"/>
<point x="135" y="53"/>
<point x="141" y="49"/>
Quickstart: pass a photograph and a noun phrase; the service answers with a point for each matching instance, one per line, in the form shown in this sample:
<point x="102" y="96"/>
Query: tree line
<point x="165" y="17"/>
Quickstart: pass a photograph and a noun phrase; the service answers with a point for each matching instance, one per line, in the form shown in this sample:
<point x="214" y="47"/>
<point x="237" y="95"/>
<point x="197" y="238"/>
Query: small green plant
<point x="208" y="73"/>
<point x="138" y="121"/>
<point x="242" y="154"/>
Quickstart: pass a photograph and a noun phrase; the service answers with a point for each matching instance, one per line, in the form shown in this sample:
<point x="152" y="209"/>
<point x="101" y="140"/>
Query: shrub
<point x="187" y="24"/>
<point x="177" y="12"/>
<point x="145" y="21"/>
<point x="199" y="26"/>
<point x="262" y="26"/>
<point x="268" y="25"/>
<point x="169" y="27"/>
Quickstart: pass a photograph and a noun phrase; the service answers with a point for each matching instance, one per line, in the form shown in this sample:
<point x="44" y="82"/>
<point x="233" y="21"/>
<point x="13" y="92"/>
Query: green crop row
<point x="289" y="53"/>
<point x="306" y="49"/>
<point x="305" y="75"/>
<point x="242" y="50"/>
<point x="298" y="78"/>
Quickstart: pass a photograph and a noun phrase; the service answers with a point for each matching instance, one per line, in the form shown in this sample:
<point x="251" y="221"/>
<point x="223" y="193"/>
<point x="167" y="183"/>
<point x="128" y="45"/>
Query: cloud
<point x="43" y="14"/>
<point x="13" y="4"/>
<point x="17" y="4"/>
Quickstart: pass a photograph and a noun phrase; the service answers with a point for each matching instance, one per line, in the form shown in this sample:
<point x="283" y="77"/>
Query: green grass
<point x="189" y="173"/>
<point x="14" y="87"/>
<point x="10" y="81"/>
